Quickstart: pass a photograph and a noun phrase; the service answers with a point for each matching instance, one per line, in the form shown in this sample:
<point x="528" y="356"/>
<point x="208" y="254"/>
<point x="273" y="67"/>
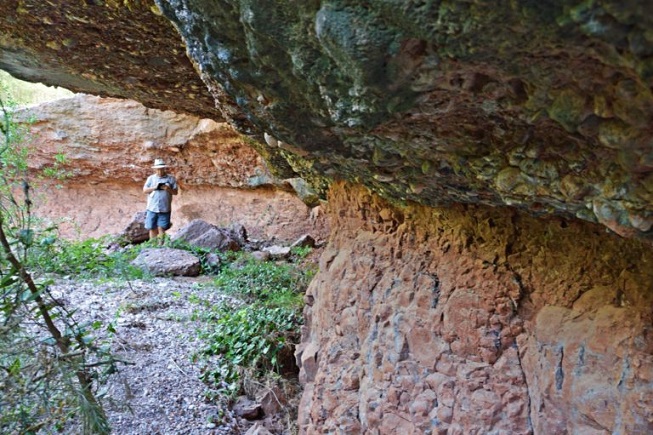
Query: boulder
<point x="205" y="235"/>
<point x="277" y="252"/>
<point x="135" y="232"/>
<point x="261" y="255"/>
<point x="247" y="409"/>
<point x="272" y="400"/>
<point x="303" y="242"/>
<point x="168" y="261"/>
<point x="239" y="232"/>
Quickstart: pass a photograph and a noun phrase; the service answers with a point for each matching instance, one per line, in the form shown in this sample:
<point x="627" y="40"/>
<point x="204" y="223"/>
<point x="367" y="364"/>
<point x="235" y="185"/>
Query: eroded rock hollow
<point x="489" y="265"/>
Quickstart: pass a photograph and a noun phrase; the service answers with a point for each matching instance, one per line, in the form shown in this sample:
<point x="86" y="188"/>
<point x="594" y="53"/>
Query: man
<point x="160" y="187"/>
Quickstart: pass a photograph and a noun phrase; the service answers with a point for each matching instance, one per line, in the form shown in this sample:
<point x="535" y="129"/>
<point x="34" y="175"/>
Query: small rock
<point x="135" y="232"/>
<point x="261" y="255"/>
<point x="258" y="429"/>
<point x="247" y="409"/>
<point x="272" y="400"/>
<point x="278" y="252"/>
<point x="304" y="241"/>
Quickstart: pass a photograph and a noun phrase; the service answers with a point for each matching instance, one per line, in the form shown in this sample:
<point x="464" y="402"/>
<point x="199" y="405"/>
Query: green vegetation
<point x="256" y="336"/>
<point x="87" y="259"/>
<point x="52" y="368"/>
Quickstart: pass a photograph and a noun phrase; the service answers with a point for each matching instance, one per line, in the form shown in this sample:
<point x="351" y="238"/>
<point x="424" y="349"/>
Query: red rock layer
<point x="475" y="320"/>
<point x="83" y="210"/>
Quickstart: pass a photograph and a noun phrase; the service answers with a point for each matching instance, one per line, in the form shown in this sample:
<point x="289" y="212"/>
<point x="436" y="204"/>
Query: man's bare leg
<point x="162" y="238"/>
<point x="153" y="234"/>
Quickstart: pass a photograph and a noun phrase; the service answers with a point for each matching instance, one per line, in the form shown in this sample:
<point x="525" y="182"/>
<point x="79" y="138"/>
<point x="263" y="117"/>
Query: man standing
<point x="160" y="187"/>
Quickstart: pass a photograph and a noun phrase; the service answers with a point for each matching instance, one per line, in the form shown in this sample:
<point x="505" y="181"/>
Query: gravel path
<point x="160" y="393"/>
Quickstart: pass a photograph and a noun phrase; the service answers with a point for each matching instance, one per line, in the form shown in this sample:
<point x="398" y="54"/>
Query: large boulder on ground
<point x="135" y="231"/>
<point x="168" y="261"/>
<point x="205" y="235"/>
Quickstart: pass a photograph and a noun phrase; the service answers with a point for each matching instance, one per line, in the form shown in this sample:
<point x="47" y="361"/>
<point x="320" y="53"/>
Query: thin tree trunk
<point x="63" y="343"/>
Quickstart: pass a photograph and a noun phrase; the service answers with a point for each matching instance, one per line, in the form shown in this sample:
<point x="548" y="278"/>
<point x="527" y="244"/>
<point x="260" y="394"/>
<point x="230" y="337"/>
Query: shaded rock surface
<point x="545" y="107"/>
<point x="542" y="106"/>
<point x="135" y="231"/>
<point x="107" y="48"/>
<point x="475" y="320"/>
<point x="168" y="262"/>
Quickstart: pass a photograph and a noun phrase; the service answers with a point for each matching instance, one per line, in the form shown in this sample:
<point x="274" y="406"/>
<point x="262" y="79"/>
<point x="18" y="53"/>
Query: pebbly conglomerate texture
<point x="544" y="106"/>
<point x="473" y="319"/>
<point x="108" y="48"/>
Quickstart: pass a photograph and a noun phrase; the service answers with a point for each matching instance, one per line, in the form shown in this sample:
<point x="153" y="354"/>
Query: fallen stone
<point x="213" y="261"/>
<point x="304" y="241"/>
<point x="135" y="232"/>
<point x="205" y="235"/>
<point x="277" y="252"/>
<point x="272" y="400"/>
<point x="239" y="232"/>
<point x="247" y="409"/>
<point x="261" y="255"/>
<point x="258" y="429"/>
<point x="168" y="261"/>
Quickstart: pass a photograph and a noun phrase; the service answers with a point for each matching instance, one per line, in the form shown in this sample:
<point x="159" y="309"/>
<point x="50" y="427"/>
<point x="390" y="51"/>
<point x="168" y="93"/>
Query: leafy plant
<point x="84" y="259"/>
<point x="253" y="336"/>
<point x="257" y="336"/>
<point x="261" y="281"/>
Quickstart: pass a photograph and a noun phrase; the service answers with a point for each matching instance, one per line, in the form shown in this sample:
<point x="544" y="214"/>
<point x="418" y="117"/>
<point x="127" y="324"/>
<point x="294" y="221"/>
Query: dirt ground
<point x="159" y="391"/>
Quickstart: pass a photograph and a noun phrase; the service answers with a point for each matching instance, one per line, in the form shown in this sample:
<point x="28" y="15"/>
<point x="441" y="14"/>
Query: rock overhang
<point x="543" y="106"/>
<point x="105" y="48"/>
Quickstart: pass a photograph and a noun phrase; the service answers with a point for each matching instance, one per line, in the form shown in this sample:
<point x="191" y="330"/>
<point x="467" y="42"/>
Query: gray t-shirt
<point x="160" y="201"/>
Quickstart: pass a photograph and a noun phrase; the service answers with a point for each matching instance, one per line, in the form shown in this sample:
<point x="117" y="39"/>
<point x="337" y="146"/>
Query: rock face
<point x="450" y="308"/>
<point x="472" y="319"/>
<point x="108" y="48"/>
<point x="109" y="140"/>
<point x="544" y="106"/>
<point x="106" y="148"/>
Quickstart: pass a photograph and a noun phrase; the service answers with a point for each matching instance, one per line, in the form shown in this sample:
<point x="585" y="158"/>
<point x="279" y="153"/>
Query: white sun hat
<point x="159" y="163"/>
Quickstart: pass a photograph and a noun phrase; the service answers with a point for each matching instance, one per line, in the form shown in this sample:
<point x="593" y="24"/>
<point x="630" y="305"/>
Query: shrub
<point x="259" y="335"/>
<point x="252" y="336"/>
<point x="262" y="281"/>
<point x="84" y="259"/>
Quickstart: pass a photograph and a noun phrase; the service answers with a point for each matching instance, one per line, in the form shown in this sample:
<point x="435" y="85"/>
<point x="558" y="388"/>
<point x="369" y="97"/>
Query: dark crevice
<point x="559" y="373"/>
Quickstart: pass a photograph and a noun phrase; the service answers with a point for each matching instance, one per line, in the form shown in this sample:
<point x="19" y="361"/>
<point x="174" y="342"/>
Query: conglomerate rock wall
<point x="543" y="106"/>
<point x="471" y="319"/>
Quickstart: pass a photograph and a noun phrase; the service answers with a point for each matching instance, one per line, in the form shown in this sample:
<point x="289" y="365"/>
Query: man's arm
<point x="147" y="188"/>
